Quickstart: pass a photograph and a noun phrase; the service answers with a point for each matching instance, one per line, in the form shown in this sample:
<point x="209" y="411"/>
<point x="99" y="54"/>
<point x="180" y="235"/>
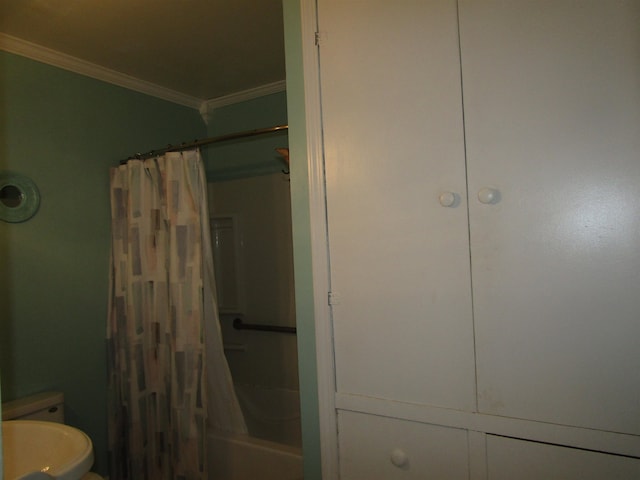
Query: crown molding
<point x="209" y="105"/>
<point x="54" y="58"/>
<point x="42" y="54"/>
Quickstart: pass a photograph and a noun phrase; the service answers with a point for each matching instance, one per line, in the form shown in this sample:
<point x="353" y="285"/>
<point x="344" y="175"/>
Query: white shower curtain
<point x="168" y="377"/>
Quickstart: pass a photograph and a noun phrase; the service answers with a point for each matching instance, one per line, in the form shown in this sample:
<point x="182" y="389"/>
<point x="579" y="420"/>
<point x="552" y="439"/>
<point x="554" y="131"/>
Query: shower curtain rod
<point x="206" y="141"/>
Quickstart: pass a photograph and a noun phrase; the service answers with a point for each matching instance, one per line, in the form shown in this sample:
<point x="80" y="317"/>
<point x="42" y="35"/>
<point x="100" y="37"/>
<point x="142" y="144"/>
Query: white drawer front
<point x="510" y="459"/>
<point x="373" y="447"/>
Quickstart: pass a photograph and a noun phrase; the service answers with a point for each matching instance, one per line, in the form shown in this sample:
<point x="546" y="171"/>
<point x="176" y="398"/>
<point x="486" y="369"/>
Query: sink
<point x="42" y="450"/>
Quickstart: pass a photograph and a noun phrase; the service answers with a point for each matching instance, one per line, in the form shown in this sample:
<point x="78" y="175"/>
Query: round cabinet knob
<point x="449" y="199"/>
<point x="399" y="458"/>
<point x="489" y="195"/>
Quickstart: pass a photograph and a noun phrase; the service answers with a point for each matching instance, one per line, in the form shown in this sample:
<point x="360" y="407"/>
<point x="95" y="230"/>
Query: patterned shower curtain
<point x="168" y="377"/>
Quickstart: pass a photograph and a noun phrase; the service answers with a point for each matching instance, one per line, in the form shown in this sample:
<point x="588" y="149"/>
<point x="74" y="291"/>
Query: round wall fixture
<point x="19" y="198"/>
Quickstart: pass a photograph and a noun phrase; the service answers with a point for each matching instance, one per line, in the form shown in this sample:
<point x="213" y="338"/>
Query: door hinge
<point x="320" y="37"/>
<point x="334" y="298"/>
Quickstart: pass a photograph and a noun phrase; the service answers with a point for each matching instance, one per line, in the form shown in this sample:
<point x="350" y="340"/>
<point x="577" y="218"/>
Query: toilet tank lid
<point x="31" y="404"/>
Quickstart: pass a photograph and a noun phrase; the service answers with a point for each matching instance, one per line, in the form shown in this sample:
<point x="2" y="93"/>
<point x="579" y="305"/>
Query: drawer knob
<point x="449" y="199"/>
<point x="489" y="195"/>
<point x="399" y="458"/>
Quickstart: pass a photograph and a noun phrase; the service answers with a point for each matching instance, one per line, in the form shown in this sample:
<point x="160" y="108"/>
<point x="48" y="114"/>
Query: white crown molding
<point x="46" y="55"/>
<point x="209" y="105"/>
<point x="30" y="50"/>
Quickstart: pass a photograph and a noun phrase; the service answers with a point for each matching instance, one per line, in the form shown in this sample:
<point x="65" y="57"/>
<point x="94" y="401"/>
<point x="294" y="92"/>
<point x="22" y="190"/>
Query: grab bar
<point x="238" y="324"/>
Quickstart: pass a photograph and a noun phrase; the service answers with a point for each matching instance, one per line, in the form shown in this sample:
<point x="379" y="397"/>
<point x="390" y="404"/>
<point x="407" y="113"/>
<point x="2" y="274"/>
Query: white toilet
<point x="46" y="406"/>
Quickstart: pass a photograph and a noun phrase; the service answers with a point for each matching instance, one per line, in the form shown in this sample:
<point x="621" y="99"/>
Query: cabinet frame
<point x="476" y="423"/>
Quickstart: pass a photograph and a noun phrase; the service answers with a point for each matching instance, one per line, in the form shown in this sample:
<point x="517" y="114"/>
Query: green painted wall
<point x="64" y="131"/>
<point x="250" y="156"/>
<point x="302" y="241"/>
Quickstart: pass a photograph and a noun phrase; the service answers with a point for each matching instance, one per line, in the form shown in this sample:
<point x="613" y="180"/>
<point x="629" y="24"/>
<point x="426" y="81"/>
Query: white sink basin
<point x="37" y="450"/>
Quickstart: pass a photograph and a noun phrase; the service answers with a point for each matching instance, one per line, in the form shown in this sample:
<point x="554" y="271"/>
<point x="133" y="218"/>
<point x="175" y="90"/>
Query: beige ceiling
<point x="203" y="48"/>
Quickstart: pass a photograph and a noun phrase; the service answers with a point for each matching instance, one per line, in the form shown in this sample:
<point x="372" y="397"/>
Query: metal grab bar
<point x="238" y="324"/>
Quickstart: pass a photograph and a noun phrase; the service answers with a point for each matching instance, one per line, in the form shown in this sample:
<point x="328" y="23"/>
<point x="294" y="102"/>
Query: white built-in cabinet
<point x="482" y="169"/>
<point x="512" y="459"/>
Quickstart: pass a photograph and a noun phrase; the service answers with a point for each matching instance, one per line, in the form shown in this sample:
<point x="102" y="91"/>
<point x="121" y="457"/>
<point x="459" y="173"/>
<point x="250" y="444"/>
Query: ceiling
<point x="205" y="49"/>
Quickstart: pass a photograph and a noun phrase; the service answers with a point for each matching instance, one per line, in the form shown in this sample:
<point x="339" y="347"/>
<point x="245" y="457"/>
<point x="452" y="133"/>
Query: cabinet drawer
<point x="373" y="447"/>
<point x="509" y="459"/>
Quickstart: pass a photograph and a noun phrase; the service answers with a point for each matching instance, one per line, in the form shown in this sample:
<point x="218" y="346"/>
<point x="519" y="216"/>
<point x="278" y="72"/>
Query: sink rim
<point x="76" y="466"/>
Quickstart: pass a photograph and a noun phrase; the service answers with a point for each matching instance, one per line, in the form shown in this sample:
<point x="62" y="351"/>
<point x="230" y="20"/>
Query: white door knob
<point x="399" y="458"/>
<point x="489" y="195"/>
<point x="449" y="199"/>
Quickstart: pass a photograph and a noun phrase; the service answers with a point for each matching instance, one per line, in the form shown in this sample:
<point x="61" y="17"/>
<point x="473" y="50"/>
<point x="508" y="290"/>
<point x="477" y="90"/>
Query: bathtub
<point x="273" y="450"/>
<point x="241" y="457"/>
<point x="271" y="413"/>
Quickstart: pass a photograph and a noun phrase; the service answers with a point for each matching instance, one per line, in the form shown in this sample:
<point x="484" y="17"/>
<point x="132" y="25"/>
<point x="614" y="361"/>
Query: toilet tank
<point x="47" y="406"/>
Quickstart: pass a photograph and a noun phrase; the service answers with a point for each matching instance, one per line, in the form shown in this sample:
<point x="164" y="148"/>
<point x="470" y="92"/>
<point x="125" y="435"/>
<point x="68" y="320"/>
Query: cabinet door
<point x="509" y="459"/>
<point x="373" y="448"/>
<point x="393" y="138"/>
<point x="552" y="112"/>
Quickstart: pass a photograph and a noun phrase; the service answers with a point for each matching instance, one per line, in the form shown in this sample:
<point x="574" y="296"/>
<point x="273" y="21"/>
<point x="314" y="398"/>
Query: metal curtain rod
<point x="206" y="141"/>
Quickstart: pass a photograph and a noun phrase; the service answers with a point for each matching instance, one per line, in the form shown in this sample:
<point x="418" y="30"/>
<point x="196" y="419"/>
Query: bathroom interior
<point x="550" y="110"/>
<point x="64" y="130"/>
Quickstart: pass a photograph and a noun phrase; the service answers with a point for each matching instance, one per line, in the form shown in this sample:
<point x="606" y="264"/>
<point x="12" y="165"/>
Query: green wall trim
<point x="302" y="241"/>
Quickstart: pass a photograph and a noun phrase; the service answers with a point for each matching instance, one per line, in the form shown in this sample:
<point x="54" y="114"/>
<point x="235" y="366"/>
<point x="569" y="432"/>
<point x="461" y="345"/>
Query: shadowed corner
<point x="3" y="266"/>
<point x="6" y="330"/>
